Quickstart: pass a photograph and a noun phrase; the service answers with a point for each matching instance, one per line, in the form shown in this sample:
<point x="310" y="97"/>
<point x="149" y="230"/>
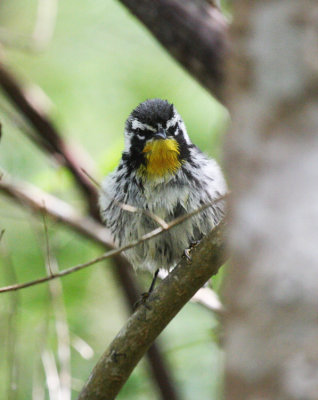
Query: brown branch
<point x="123" y="354"/>
<point x="57" y="209"/>
<point x="160" y="371"/>
<point x="51" y="140"/>
<point x="194" y="32"/>
<point x="205" y="296"/>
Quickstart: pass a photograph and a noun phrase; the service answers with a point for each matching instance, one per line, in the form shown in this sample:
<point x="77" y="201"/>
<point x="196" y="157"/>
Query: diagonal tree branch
<point x="194" y="32"/>
<point x="52" y="141"/>
<point x="177" y="25"/>
<point x="142" y="328"/>
<point x="58" y="209"/>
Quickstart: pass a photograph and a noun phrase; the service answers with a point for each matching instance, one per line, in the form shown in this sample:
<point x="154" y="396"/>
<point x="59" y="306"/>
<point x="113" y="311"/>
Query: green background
<point x="98" y="66"/>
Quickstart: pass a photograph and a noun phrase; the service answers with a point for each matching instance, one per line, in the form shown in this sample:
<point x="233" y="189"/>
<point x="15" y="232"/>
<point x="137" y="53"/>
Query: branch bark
<point x="142" y="328"/>
<point x="193" y="32"/>
<point x="52" y="141"/>
<point x="37" y="200"/>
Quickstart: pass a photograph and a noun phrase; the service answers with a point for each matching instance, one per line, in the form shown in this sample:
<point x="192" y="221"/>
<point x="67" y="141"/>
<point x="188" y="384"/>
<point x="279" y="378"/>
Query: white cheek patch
<point x="185" y="134"/>
<point x="141" y="137"/>
<point x="174" y="120"/>
<point x="135" y="124"/>
<point x="127" y="140"/>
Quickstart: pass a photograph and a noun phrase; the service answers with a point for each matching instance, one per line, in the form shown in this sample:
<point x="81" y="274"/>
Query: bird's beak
<point x="160" y="135"/>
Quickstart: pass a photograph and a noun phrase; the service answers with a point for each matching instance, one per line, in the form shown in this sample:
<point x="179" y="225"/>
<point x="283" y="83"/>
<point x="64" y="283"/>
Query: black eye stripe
<point x="141" y="132"/>
<point x="173" y="129"/>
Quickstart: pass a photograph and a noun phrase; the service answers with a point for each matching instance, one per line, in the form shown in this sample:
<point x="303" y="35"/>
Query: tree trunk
<point x="272" y="162"/>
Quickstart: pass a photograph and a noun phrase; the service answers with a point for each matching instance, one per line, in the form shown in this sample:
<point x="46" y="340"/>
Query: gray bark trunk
<point x="272" y="160"/>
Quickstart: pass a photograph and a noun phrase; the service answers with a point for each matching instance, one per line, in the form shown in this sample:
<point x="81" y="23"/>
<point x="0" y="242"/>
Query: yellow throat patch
<point x="161" y="158"/>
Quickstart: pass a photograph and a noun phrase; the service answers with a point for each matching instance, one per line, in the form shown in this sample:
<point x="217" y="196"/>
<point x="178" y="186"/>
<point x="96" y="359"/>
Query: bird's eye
<point x="173" y="130"/>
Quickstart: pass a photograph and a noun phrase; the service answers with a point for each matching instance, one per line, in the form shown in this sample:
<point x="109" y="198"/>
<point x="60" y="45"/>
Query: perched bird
<point x="163" y="173"/>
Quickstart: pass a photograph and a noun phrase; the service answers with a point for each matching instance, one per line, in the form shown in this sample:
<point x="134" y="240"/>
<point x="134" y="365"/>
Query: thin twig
<point x="51" y="374"/>
<point x="42" y="335"/>
<point x="128" y="207"/>
<point x="50" y="138"/>
<point x="62" y="331"/>
<point x="45" y="24"/>
<point x="56" y="208"/>
<point x="114" y="252"/>
<point x="209" y="299"/>
<point x="11" y="336"/>
<point x="42" y="32"/>
<point x="47" y="244"/>
<point x="82" y="347"/>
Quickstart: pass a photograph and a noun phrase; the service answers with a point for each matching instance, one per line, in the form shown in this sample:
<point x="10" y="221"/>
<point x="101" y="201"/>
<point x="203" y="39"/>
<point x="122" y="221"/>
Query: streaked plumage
<point x="163" y="172"/>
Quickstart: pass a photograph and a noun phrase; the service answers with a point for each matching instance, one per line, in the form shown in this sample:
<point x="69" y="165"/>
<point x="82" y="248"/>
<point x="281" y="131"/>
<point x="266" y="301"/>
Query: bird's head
<point x="156" y="139"/>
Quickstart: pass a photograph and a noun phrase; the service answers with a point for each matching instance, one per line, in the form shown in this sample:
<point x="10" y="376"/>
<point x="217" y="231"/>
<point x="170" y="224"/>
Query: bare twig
<point x="50" y="139"/>
<point x="115" y="366"/>
<point x="178" y="25"/>
<point x="128" y="207"/>
<point x="11" y="336"/>
<point x="82" y="347"/>
<point x="209" y="299"/>
<point x="45" y="24"/>
<point x="61" y="211"/>
<point x="51" y="374"/>
<point x="46" y="235"/>
<point x="112" y="253"/>
<point x="42" y="32"/>
<point x="61" y="325"/>
<point x="62" y="333"/>
<point x="42" y="333"/>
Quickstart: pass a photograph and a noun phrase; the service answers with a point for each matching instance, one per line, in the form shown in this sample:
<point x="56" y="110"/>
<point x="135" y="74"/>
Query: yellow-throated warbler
<point x="162" y="172"/>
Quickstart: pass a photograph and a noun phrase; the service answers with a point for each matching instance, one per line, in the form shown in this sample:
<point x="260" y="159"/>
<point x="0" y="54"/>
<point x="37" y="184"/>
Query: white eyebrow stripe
<point x="135" y="124"/>
<point x="174" y="120"/>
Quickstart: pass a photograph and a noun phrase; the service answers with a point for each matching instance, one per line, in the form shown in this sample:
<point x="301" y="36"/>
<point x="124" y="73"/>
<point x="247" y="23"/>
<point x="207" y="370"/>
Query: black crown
<point x="152" y="112"/>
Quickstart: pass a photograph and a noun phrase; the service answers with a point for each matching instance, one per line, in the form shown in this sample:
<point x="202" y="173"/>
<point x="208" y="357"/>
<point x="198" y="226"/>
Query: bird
<point x="161" y="173"/>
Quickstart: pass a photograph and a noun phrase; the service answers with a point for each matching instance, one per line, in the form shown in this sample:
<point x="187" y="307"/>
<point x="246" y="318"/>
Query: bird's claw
<point x="187" y="255"/>
<point x="187" y="252"/>
<point x="142" y="301"/>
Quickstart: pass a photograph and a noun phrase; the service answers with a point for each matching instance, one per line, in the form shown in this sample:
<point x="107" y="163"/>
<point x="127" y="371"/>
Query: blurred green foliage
<point x="98" y="66"/>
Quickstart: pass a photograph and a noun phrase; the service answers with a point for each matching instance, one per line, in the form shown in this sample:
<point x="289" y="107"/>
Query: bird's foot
<point x="187" y="252"/>
<point x="144" y="296"/>
<point x="142" y="301"/>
